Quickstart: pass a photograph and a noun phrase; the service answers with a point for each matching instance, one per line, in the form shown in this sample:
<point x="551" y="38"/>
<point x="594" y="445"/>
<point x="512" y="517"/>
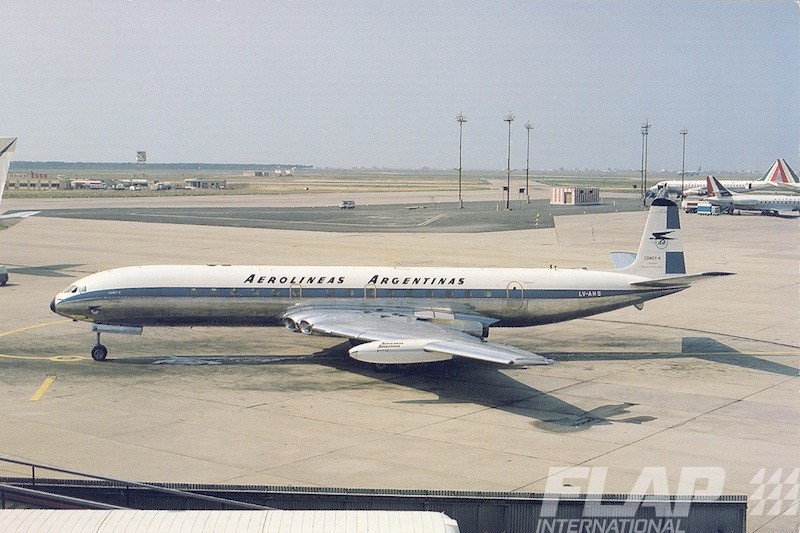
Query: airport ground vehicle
<point x="347" y="204"/>
<point x="705" y="208"/>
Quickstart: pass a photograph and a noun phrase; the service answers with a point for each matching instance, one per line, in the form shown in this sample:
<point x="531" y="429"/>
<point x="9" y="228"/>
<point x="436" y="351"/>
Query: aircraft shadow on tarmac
<point x="465" y="381"/>
<point x="456" y="381"/>
<point x="703" y="348"/>
<point x="712" y="350"/>
<point x="46" y="271"/>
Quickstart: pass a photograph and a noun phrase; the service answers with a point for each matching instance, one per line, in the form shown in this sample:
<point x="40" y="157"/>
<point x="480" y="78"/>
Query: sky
<point x="379" y="84"/>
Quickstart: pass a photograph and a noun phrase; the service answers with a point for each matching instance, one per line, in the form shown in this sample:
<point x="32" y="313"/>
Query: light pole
<point x="529" y="127"/>
<point x="461" y="120"/>
<point x="509" y="118"/>
<point x="684" y="131"/>
<point x="645" y="131"/>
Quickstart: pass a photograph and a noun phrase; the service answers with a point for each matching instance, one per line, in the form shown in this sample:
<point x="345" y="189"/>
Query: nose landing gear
<point x="99" y="352"/>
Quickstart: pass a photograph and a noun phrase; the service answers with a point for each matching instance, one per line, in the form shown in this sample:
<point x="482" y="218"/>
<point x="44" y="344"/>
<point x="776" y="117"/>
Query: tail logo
<point x="660" y="238"/>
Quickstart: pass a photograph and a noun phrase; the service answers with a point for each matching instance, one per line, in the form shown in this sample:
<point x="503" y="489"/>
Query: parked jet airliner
<point x="7" y="145"/>
<point x="691" y="172"/>
<point x="778" y="175"/>
<point x="394" y="315"/>
<point x="769" y="204"/>
<point x="698" y="187"/>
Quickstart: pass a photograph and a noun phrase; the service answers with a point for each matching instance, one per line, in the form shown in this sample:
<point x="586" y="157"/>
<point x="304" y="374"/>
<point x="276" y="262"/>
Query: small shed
<point x="575" y="195"/>
<point x="204" y="183"/>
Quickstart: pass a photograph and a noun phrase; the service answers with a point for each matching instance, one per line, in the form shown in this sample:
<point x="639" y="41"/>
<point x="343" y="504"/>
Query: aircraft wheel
<point x="99" y="352"/>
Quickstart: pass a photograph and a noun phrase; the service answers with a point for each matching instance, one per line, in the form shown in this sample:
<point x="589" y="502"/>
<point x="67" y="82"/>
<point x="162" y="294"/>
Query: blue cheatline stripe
<point x="675" y="263"/>
<point x="346" y="293"/>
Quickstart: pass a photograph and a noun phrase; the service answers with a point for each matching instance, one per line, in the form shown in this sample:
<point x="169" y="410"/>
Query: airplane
<point x="778" y="174"/>
<point x="7" y="145"/>
<point x="691" y="172"/>
<point x="728" y="201"/>
<point x="698" y="187"/>
<point x="392" y="315"/>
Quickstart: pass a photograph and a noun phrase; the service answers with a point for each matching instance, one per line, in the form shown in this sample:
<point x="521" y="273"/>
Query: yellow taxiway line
<point x="43" y="388"/>
<point x="62" y="358"/>
<point x="26" y="328"/>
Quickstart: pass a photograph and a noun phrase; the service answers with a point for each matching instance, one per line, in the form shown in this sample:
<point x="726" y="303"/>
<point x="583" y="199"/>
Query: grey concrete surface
<point x="377" y="218"/>
<point x="707" y="377"/>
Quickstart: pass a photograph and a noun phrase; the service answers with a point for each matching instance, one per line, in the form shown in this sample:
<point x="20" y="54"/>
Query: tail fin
<point x="7" y="145"/>
<point x="661" y="248"/>
<point x="716" y="189"/>
<point x="780" y="172"/>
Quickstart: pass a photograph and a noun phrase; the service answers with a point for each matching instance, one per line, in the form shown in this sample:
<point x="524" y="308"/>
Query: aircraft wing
<point x="19" y="214"/>
<point x="400" y="330"/>
<point x="784" y="187"/>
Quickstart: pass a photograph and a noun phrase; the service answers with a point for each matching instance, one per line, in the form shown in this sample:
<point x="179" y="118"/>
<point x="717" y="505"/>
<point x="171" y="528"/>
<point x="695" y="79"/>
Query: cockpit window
<point x="74" y="289"/>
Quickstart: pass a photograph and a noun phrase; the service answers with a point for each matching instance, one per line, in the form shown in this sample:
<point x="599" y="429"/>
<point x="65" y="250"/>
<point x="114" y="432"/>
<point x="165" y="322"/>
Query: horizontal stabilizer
<point x="19" y="214"/>
<point x="679" y="281"/>
<point x="623" y="259"/>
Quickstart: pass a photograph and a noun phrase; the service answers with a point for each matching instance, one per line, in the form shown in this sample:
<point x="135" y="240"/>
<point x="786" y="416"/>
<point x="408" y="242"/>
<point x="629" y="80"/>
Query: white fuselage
<point x="698" y="187"/>
<point x="757" y="202"/>
<point x="224" y="295"/>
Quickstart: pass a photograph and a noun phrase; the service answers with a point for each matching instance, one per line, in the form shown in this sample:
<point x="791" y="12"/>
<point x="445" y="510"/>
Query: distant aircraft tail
<point x="7" y="145"/>
<point x="661" y="248"/>
<point x="716" y="189"/>
<point x="780" y="172"/>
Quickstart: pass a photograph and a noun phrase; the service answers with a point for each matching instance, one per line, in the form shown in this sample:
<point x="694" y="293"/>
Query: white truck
<point x="706" y="208"/>
<point x="689" y="206"/>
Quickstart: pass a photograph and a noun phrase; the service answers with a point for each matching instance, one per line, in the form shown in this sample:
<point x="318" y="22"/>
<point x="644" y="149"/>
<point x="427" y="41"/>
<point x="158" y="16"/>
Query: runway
<point x="707" y="377"/>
